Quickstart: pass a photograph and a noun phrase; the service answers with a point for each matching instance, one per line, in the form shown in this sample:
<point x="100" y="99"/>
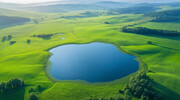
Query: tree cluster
<point x="8" y="38"/>
<point x="147" y="31"/>
<point x="141" y="87"/>
<point x="165" y="19"/>
<point x="33" y="96"/>
<point x="11" y="84"/>
<point x="165" y="16"/>
<point x="44" y="36"/>
<point x="33" y="92"/>
<point x="134" y="10"/>
<point x="175" y="12"/>
<point x="116" y="97"/>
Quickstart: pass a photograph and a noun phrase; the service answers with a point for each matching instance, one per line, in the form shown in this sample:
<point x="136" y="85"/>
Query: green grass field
<point x="29" y="61"/>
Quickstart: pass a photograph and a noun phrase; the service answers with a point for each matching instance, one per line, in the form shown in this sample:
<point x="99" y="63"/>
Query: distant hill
<point x="11" y="18"/>
<point x="79" y="5"/>
<point x="63" y="8"/>
<point x="133" y="10"/>
<point x="74" y="7"/>
<point x="6" y="21"/>
<point x="56" y="7"/>
<point x="111" y="4"/>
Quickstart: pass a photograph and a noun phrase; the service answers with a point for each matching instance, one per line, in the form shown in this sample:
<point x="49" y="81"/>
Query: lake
<point x="94" y="62"/>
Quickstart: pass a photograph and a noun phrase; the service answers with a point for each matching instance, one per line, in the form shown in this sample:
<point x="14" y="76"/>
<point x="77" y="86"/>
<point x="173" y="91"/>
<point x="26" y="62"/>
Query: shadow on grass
<point x="166" y="47"/>
<point x="11" y="25"/>
<point x="160" y="36"/>
<point x="16" y="94"/>
<point x="164" y="37"/>
<point x="165" y="93"/>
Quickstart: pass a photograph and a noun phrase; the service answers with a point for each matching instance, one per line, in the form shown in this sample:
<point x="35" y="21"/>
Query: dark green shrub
<point x="149" y="42"/>
<point x="139" y="86"/>
<point x="4" y="39"/>
<point x="28" y="41"/>
<point x="118" y="97"/>
<point x="33" y="96"/>
<point x="9" y="37"/>
<point x="31" y="90"/>
<point x="11" y="84"/>
<point x="12" y="42"/>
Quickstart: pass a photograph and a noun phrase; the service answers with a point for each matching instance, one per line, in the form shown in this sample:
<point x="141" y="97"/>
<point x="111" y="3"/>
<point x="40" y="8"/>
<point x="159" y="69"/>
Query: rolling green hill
<point x="29" y="61"/>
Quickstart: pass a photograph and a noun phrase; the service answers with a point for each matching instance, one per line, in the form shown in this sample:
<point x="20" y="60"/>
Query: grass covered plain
<point x="29" y="61"/>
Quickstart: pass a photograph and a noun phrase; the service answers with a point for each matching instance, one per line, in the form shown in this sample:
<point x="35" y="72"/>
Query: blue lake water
<point x="94" y="62"/>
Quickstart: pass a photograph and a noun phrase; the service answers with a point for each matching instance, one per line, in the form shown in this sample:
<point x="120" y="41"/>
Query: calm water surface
<point x="94" y="62"/>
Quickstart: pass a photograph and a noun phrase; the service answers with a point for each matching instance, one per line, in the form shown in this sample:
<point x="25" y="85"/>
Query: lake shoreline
<point x="141" y="66"/>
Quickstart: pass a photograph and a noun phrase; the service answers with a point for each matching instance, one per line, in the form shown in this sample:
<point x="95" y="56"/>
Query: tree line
<point x="165" y="19"/>
<point x="44" y="36"/>
<point x="147" y="31"/>
<point x="175" y="12"/>
<point x="13" y="83"/>
<point x="133" y="10"/>
<point x="164" y="16"/>
<point x="116" y="97"/>
<point x="16" y="83"/>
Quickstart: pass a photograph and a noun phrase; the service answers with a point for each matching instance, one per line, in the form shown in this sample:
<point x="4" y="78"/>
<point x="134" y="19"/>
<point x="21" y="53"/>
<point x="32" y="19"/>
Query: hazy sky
<point x="26" y="1"/>
<point x="35" y="1"/>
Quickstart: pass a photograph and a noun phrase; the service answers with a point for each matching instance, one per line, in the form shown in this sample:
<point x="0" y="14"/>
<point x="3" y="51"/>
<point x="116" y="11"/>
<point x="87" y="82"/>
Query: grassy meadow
<point x="30" y="61"/>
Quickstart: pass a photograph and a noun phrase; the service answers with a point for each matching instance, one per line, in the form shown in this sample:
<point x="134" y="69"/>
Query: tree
<point x="102" y="98"/>
<point x="12" y="42"/>
<point x="118" y="97"/>
<point x="31" y="90"/>
<point x="28" y="41"/>
<point x="144" y="97"/>
<point x="23" y="84"/>
<point x="106" y="23"/>
<point x="3" y="39"/>
<point x="120" y="91"/>
<point x="35" y="21"/>
<point x="39" y="87"/>
<point x="9" y="37"/>
<point x="149" y="42"/>
<point x="2" y="87"/>
<point x="127" y="93"/>
<point x="111" y="98"/>
<point x="15" y="82"/>
<point x="90" y="98"/>
<point x="33" y="96"/>
<point x="125" y="87"/>
<point x="128" y="97"/>
<point x="11" y="84"/>
<point x="139" y="90"/>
